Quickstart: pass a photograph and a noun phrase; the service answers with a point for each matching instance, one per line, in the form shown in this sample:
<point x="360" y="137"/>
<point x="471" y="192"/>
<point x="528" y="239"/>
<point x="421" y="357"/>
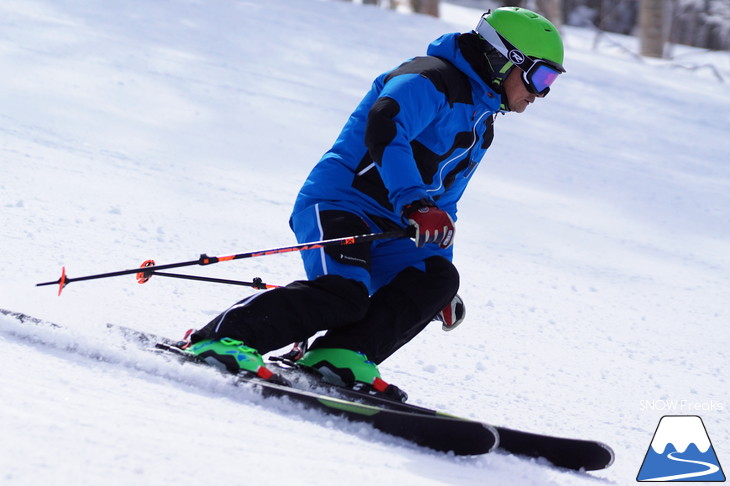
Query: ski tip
<point x="610" y="452"/>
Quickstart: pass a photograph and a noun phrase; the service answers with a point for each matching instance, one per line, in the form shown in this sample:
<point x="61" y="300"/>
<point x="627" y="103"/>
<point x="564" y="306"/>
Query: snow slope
<point x="593" y="245"/>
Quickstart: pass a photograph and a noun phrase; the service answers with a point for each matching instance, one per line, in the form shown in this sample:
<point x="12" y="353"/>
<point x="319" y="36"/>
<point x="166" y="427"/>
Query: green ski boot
<point x="230" y="355"/>
<point x="350" y="369"/>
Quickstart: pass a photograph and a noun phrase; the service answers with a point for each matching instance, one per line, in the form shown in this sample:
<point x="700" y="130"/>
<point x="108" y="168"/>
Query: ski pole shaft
<point x="256" y="284"/>
<point x="347" y="240"/>
<point x="208" y="260"/>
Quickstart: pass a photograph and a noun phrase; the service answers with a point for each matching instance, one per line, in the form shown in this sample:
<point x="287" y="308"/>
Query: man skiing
<point x="403" y="159"/>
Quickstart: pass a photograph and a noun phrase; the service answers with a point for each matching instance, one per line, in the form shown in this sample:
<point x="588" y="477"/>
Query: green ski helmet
<point x="528" y="41"/>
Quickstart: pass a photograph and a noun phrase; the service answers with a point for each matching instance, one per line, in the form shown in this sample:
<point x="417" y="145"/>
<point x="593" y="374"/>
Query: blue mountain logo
<point x="681" y="451"/>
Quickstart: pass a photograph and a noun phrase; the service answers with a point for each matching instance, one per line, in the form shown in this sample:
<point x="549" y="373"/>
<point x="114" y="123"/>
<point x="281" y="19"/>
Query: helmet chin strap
<point x="503" y="73"/>
<point x="504" y="107"/>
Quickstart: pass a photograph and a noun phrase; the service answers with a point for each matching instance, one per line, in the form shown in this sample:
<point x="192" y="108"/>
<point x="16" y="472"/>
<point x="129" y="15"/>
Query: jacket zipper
<point x="457" y="157"/>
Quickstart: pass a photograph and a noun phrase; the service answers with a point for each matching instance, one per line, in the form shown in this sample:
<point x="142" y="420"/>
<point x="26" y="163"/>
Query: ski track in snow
<point x="592" y="244"/>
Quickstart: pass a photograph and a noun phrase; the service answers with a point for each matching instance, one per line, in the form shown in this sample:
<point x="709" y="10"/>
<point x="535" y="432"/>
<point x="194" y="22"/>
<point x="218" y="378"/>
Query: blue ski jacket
<point x="419" y="133"/>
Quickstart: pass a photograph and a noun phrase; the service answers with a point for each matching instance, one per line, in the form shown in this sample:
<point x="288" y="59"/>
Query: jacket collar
<point x="461" y="51"/>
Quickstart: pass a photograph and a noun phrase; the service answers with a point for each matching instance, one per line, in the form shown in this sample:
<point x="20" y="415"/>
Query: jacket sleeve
<point x="407" y="104"/>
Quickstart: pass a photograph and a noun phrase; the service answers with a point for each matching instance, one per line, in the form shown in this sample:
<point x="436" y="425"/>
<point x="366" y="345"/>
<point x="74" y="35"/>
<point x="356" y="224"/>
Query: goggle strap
<point x="491" y="35"/>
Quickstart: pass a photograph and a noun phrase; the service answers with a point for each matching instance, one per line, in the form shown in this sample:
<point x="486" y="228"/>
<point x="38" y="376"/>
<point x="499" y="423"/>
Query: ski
<point x="569" y="453"/>
<point x="419" y="425"/>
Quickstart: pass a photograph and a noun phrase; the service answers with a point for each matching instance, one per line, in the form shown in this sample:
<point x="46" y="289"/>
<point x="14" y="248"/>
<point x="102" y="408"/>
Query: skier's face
<point x="518" y="96"/>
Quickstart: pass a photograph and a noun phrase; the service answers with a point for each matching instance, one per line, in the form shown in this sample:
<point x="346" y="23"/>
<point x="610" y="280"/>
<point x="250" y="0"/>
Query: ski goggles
<point x="537" y="74"/>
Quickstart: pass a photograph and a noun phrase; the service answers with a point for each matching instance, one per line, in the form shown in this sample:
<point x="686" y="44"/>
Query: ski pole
<point x="209" y="260"/>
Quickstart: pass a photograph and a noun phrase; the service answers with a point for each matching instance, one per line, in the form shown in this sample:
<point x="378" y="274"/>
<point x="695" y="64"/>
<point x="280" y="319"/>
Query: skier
<point x="403" y="158"/>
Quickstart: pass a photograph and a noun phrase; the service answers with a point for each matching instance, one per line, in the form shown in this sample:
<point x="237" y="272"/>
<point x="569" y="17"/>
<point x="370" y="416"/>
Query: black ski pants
<point x="376" y="325"/>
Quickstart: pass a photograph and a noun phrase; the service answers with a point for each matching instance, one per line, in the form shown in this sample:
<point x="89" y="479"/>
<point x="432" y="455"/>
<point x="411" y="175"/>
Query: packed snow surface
<point x="593" y="244"/>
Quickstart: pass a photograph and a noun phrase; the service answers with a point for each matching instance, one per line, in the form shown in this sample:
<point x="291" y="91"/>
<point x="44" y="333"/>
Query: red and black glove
<point x="432" y="224"/>
<point x="453" y="314"/>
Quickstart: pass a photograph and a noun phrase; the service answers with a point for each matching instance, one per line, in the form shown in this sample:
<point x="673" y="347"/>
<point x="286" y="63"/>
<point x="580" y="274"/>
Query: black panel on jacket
<point x="380" y="129"/>
<point x="370" y="183"/>
<point x="428" y="161"/>
<point x="446" y="77"/>
<point x="488" y="136"/>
